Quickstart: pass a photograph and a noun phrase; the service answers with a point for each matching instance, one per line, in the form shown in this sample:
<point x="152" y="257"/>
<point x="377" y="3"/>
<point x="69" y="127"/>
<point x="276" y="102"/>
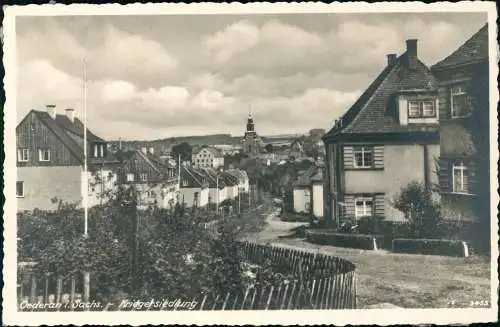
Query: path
<point x="388" y="279"/>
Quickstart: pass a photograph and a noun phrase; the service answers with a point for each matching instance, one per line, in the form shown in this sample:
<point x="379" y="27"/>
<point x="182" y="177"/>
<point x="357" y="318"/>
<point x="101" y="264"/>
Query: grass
<point x="404" y="280"/>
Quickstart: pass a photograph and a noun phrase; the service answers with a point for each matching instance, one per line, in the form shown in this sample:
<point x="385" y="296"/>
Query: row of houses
<point x="414" y="123"/>
<point x="55" y="164"/>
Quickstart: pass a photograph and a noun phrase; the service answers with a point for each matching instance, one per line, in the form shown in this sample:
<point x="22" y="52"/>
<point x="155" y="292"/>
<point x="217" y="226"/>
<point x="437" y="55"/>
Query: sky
<point x="152" y="77"/>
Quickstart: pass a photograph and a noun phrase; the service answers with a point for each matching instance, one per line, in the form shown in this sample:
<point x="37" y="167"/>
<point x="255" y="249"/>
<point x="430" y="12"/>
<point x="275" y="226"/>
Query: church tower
<point x="250" y="140"/>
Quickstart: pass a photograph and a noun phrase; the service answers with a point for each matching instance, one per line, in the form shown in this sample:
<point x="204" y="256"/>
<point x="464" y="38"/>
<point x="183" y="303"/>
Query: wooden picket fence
<point x="313" y="281"/>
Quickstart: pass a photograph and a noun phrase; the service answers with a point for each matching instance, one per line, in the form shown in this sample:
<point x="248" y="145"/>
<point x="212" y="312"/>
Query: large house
<point x="194" y="187"/>
<point x="208" y="157"/>
<point x="386" y="140"/>
<point x="156" y="180"/>
<point x="463" y="86"/>
<point x="50" y="162"/>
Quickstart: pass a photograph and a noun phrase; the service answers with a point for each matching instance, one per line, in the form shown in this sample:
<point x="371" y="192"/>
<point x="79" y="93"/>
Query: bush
<point x="430" y="246"/>
<point x="371" y="225"/>
<point x="356" y="241"/>
<point x="422" y="211"/>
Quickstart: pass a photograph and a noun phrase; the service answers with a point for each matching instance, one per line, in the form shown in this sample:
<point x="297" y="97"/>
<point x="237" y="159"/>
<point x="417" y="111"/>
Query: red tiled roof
<point x="473" y="50"/>
<point x="375" y="111"/>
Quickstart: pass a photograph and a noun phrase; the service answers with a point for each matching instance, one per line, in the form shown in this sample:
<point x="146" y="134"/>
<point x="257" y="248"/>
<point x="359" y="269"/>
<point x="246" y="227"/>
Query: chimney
<point x="152" y="150"/>
<point x="51" y="110"/>
<point x="391" y="58"/>
<point x="144" y="150"/>
<point x="70" y="113"/>
<point x="412" y="53"/>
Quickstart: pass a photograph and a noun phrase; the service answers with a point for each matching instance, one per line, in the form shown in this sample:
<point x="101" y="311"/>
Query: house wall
<point x="41" y="184"/>
<point x="187" y="196"/>
<point x="232" y="192"/>
<point x="317" y="200"/>
<point x="301" y="199"/>
<point x="32" y="134"/>
<point x="466" y="139"/>
<point x="402" y="164"/>
<point x="213" y="194"/>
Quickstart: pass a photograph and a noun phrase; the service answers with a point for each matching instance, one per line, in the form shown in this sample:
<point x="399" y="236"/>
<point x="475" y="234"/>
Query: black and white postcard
<point x="250" y="164"/>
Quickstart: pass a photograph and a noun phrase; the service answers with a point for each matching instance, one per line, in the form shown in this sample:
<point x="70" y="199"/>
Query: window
<point x="421" y="109"/>
<point x="144" y="177"/>
<point x="185" y="182"/>
<point x="363" y="207"/>
<point x="23" y="155"/>
<point x="20" y="189"/>
<point x="130" y="177"/>
<point x="98" y="150"/>
<point x="458" y="102"/>
<point x="44" y="155"/>
<point x="363" y="156"/>
<point x="460" y="178"/>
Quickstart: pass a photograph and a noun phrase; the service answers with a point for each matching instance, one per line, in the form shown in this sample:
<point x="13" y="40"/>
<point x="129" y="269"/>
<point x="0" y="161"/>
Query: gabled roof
<point x="72" y="136"/>
<point x="229" y="179"/>
<point x="473" y="50"/>
<point x="215" y="152"/>
<point x="375" y="110"/>
<point x="212" y="178"/>
<point x="195" y="176"/>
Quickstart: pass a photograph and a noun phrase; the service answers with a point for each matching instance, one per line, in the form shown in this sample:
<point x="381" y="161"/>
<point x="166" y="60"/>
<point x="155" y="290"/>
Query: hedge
<point x="454" y="248"/>
<point x="356" y="241"/>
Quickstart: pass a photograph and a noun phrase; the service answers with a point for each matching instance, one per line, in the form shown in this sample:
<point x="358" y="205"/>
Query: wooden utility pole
<point x="134" y="235"/>
<point x="86" y="274"/>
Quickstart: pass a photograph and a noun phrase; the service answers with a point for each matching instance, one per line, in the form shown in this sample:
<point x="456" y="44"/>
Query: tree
<point x="184" y="150"/>
<point x="423" y="212"/>
<point x="269" y="148"/>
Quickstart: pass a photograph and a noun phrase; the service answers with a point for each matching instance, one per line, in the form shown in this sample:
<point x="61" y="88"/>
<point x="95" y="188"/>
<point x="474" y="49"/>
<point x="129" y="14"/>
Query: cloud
<point x="111" y="54"/>
<point x="235" y="38"/>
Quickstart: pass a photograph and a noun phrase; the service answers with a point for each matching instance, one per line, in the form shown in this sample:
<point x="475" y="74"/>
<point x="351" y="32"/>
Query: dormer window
<point x="99" y="150"/>
<point x="422" y="109"/>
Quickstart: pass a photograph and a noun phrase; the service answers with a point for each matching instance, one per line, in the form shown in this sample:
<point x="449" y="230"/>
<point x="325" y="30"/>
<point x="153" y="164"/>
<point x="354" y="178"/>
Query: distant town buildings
<point x="208" y="157"/>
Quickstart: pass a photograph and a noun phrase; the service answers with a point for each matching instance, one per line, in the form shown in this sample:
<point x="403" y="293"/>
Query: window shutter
<point x="379" y="201"/>
<point x="348" y="156"/>
<point x="471" y="184"/>
<point x="444" y="176"/>
<point x="348" y="208"/>
<point x="378" y="156"/>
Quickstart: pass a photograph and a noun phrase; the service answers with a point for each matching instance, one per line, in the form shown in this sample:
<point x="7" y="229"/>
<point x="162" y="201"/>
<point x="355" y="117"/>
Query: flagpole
<point x="86" y="274"/>
<point x="85" y="168"/>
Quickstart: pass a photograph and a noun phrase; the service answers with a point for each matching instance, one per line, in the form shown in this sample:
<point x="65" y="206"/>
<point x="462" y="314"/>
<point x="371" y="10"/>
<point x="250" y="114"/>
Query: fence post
<point x="59" y="289"/>
<point x="46" y="289"/>
<point x="33" y="289"/>
<point x="72" y="292"/>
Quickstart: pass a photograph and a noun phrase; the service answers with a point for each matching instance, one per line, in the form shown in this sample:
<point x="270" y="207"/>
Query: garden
<point x="155" y="253"/>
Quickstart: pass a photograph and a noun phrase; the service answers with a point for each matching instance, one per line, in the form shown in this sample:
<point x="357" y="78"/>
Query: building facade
<point x="50" y="162"/>
<point x="463" y="80"/>
<point x="208" y="157"/>
<point x="251" y="142"/>
<point x="156" y="181"/>
<point x="386" y="140"/>
<point x="194" y="187"/>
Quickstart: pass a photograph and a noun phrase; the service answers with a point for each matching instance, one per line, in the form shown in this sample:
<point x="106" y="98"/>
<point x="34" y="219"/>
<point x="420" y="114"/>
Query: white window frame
<point x="185" y="182"/>
<point x="421" y="111"/>
<point x="358" y="214"/>
<point x="130" y="177"/>
<point x="41" y="155"/>
<point x="462" y="168"/>
<point x="364" y="149"/>
<point x="20" y="195"/>
<point x="143" y="177"/>
<point x="23" y="154"/>
<point x="461" y="91"/>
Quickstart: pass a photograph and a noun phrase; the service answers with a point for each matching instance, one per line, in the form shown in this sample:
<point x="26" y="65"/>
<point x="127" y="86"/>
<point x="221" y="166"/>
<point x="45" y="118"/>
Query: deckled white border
<point x="305" y="317"/>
